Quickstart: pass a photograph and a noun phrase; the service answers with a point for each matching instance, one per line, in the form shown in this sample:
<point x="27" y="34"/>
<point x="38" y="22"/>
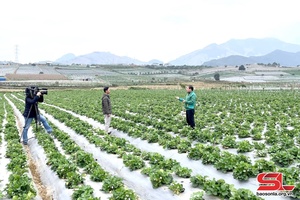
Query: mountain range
<point x="244" y="48"/>
<point x="97" y="58"/>
<point x="282" y="57"/>
<point x="101" y="58"/>
<point x="235" y="51"/>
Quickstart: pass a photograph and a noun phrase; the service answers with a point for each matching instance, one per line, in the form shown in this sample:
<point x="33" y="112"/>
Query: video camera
<point x="33" y="90"/>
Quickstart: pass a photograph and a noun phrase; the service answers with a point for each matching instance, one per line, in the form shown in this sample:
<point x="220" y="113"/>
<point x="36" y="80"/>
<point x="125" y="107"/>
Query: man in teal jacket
<point x="190" y="103"/>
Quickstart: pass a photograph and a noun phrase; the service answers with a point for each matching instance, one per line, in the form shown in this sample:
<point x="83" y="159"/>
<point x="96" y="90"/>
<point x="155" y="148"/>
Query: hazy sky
<point x="141" y="29"/>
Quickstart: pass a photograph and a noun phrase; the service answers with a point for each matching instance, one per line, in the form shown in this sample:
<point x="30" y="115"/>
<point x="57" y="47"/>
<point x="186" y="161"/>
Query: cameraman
<point x="31" y="111"/>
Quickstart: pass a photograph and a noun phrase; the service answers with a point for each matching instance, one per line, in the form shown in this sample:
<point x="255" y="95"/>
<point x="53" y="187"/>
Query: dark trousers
<point x="190" y="117"/>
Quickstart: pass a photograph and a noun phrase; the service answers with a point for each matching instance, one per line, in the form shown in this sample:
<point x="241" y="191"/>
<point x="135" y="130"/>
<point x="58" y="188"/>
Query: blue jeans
<point x="27" y="125"/>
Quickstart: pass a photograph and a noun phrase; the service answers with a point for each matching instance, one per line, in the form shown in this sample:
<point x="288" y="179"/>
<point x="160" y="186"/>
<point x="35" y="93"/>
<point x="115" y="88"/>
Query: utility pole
<point x="16" y="54"/>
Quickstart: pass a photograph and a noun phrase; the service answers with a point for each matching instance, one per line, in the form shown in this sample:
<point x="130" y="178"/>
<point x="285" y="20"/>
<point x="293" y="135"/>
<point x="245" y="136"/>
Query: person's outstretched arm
<point x="180" y="99"/>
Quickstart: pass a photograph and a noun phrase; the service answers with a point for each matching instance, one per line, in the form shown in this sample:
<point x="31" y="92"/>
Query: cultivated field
<point x="119" y="75"/>
<point x="151" y="153"/>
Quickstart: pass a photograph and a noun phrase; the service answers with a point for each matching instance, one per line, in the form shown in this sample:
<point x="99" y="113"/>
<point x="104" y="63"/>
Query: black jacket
<point x="31" y="104"/>
<point x="106" y="106"/>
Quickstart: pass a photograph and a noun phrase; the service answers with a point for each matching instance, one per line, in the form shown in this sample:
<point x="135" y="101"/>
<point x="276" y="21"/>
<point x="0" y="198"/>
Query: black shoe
<point x="25" y="143"/>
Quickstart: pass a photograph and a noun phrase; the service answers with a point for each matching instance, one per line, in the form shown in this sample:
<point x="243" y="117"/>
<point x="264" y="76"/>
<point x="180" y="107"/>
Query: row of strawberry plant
<point x="286" y="141"/>
<point x="152" y="102"/>
<point x="1" y="116"/>
<point x="283" y="153"/>
<point x="68" y="168"/>
<point x="241" y="135"/>
<point x="97" y="173"/>
<point x="160" y="170"/>
<point x="2" y="113"/>
<point x="281" y="158"/>
<point x="239" y="164"/>
<point x="131" y="155"/>
<point x="209" y="154"/>
<point x="241" y="123"/>
<point x="218" y="134"/>
<point x="158" y="176"/>
<point x="20" y="185"/>
<point x="64" y="168"/>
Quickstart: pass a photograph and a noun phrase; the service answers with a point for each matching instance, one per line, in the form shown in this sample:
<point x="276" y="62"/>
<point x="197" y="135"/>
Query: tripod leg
<point x="37" y="119"/>
<point x="26" y="126"/>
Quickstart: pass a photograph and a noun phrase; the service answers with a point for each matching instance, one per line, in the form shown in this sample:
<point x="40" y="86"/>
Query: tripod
<point x="37" y="120"/>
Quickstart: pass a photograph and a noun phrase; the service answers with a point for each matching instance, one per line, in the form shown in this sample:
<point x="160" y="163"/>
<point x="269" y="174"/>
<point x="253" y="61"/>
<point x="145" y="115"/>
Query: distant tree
<point x="242" y="67"/>
<point x="217" y="76"/>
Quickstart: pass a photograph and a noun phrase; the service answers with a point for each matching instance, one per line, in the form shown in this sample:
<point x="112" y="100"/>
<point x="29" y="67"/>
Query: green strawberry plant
<point x="172" y="143"/>
<point x="152" y="137"/>
<point x="196" y="152"/>
<point x="296" y="191"/>
<point x="82" y="158"/>
<point x="197" y="195"/>
<point x="275" y="148"/>
<point x="167" y="164"/>
<point x="20" y="186"/>
<point x="133" y="162"/>
<point x="112" y="183"/>
<point x="244" y="146"/>
<point x="244" y="133"/>
<point x="272" y="139"/>
<point x="283" y="158"/>
<point x="183" y="172"/>
<point x="218" y="188"/>
<point x="257" y="136"/>
<point x="290" y="175"/>
<point x="98" y="174"/>
<point x="211" y="157"/>
<point x="263" y="165"/>
<point x="155" y="158"/>
<point x="226" y="162"/>
<point x="176" y="187"/>
<point x="122" y="194"/>
<point x="184" y="146"/>
<point x="259" y="145"/>
<point x="261" y="153"/>
<point x="243" y="171"/>
<point x="84" y="192"/>
<point x="294" y="151"/>
<point x="160" y="177"/>
<point x="198" y="181"/>
<point x="244" y="194"/>
<point x="229" y="142"/>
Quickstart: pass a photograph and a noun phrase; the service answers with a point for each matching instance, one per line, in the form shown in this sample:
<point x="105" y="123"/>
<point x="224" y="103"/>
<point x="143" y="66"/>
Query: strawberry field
<point x="151" y="153"/>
